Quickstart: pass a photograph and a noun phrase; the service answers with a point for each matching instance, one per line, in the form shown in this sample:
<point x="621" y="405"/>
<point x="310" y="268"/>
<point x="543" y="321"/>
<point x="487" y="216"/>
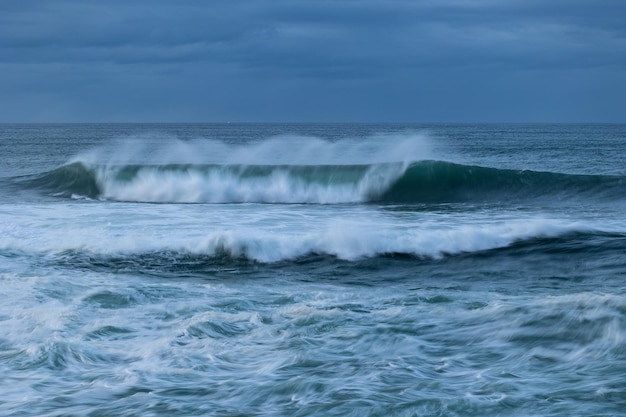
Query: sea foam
<point x="267" y="235"/>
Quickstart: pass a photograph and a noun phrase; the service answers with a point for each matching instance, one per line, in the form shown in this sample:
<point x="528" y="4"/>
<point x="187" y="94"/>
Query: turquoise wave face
<point x="438" y="181"/>
<point x="65" y="181"/>
<point x="418" y="182"/>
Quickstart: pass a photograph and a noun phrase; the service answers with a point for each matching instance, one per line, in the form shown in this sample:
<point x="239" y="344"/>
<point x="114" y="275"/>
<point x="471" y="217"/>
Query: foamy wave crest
<point x="246" y="184"/>
<point x="347" y="240"/>
<point x="355" y="241"/>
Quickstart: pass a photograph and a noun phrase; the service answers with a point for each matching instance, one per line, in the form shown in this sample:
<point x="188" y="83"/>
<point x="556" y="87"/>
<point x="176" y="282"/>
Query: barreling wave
<point x="417" y="182"/>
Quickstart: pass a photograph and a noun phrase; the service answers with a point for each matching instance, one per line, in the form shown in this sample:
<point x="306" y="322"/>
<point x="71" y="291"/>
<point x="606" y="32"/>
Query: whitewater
<point x="277" y="269"/>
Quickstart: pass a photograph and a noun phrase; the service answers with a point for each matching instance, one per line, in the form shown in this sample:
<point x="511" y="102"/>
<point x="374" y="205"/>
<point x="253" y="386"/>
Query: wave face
<point x="418" y="182"/>
<point x="437" y="181"/>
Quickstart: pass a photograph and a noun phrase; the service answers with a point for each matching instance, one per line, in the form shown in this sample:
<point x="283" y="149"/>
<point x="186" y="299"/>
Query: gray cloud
<point x="312" y="60"/>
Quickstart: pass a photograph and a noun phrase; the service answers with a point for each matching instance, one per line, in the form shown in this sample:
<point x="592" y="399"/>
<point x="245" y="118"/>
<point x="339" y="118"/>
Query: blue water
<point x="243" y="269"/>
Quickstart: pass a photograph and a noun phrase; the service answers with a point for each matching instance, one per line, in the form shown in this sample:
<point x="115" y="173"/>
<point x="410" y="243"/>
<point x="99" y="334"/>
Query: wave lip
<point x="417" y="182"/>
<point x="66" y="181"/>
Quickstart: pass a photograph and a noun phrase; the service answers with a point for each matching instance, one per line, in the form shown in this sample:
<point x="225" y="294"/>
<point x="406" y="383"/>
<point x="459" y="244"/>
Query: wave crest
<point x="340" y="239"/>
<point x="418" y="182"/>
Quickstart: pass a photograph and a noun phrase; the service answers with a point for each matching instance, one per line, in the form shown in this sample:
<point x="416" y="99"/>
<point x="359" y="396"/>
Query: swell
<point x="418" y="182"/>
<point x="437" y="181"/>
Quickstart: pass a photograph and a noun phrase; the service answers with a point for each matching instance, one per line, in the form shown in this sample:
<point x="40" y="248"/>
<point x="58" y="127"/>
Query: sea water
<point x="301" y="270"/>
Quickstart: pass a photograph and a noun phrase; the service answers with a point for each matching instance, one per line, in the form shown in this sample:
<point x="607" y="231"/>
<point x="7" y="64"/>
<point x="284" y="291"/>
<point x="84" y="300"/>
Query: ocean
<point x="312" y="270"/>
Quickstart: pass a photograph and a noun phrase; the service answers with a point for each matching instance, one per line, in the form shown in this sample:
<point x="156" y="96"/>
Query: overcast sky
<point x="313" y="61"/>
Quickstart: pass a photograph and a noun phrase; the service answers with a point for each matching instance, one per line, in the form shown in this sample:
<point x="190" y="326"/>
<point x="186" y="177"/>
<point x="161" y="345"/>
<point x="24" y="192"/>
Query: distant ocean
<point x="312" y="270"/>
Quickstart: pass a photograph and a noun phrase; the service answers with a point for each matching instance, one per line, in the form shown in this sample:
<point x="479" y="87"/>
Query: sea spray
<point x="161" y="149"/>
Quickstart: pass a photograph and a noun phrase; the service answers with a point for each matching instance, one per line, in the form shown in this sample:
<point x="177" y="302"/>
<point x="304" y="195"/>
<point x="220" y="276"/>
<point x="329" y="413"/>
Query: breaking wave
<point x="416" y="182"/>
<point x="231" y="249"/>
<point x="343" y="239"/>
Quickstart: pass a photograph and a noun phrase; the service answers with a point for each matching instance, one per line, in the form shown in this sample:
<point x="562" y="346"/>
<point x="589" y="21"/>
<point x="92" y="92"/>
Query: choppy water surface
<point x="312" y="270"/>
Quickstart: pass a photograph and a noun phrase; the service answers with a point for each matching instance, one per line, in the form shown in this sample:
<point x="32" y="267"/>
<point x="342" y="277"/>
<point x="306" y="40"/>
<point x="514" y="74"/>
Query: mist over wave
<point x="303" y="170"/>
<point x="282" y="169"/>
<point x="278" y="150"/>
